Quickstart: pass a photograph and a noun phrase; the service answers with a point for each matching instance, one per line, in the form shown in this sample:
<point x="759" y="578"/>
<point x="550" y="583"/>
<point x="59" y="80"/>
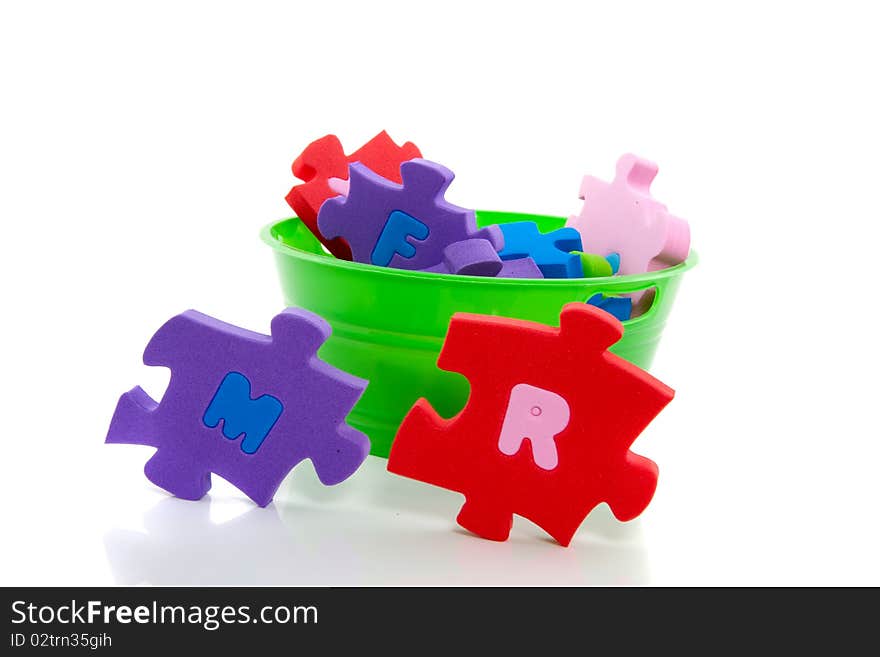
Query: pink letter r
<point x="538" y="415"/>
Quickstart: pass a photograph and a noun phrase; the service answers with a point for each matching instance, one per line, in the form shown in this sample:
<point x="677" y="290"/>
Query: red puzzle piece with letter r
<point x="546" y="431"/>
<point x="323" y="165"/>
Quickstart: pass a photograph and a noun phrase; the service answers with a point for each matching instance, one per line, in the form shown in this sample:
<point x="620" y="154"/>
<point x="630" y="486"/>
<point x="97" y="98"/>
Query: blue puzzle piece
<point x="550" y="251"/>
<point x="393" y="238"/>
<point x="241" y="414"/>
<point x="613" y="260"/>
<point x="619" y="307"/>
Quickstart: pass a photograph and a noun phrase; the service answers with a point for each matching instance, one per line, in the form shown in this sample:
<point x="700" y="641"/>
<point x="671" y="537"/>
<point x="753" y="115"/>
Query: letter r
<point x="539" y="415"/>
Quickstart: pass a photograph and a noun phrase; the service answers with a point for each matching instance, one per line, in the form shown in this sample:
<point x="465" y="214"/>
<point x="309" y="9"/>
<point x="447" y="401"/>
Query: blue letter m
<point x="254" y="418"/>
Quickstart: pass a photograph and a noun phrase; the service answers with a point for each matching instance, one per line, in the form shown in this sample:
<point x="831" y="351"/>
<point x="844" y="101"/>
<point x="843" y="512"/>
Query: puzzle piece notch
<point x="622" y="217"/>
<point x="201" y="353"/>
<point x="610" y="400"/>
<point x="383" y="156"/>
<point x="323" y="168"/>
<point x="361" y="217"/>
<point x="550" y="251"/>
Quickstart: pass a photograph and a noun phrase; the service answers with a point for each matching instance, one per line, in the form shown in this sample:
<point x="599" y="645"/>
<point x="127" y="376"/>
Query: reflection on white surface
<point x="376" y="529"/>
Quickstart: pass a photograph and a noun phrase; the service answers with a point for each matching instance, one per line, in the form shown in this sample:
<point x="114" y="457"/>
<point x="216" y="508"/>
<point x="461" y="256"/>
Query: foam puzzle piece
<point x="550" y="251"/>
<point x="370" y="217"/>
<point x="580" y="407"/>
<point x="323" y="168"/>
<point x="519" y="268"/>
<point x="613" y="260"/>
<point x="476" y="257"/>
<point x="241" y="414"/>
<point x="594" y="266"/>
<point x="272" y="391"/>
<point x="622" y="217"/>
<point x="619" y="307"/>
<point x="393" y="238"/>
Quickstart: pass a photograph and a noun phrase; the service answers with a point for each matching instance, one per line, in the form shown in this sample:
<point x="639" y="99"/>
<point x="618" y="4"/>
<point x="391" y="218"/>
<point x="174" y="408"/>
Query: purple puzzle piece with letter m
<point x="407" y="226"/>
<point x="243" y="405"/>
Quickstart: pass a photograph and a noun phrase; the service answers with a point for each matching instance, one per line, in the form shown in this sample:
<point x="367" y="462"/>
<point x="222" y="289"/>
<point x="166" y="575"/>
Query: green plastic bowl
<point x="389" y="324"/>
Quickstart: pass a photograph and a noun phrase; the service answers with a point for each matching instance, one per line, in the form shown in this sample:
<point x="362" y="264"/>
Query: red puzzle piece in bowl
<point x="576" y="405"/>
<point x="323" y="168"/>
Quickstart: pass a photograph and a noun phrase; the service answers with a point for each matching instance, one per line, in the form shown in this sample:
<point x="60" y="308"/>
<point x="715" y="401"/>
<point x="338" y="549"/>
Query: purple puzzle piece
<point x="476" y="257"/>
<point x="228" y="382"/>
<point x="361" y="217"/>
<point x="520" y="268"/>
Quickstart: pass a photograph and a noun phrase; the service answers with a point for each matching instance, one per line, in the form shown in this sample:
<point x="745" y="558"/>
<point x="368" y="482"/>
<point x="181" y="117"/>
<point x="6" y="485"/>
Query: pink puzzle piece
<point x="339" y="185"/>
<point x="622" y="217"/>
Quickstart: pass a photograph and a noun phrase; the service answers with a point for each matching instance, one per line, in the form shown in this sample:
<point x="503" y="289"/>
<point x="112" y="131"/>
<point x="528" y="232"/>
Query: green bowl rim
<point x="269" y="235"/>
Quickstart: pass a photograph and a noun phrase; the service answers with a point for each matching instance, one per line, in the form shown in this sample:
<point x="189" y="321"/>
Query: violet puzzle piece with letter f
<point x="405" y="226"/>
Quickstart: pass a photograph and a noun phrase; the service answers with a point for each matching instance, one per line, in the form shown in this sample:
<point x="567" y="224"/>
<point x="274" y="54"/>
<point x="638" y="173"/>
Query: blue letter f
<point x="398" y="227"/>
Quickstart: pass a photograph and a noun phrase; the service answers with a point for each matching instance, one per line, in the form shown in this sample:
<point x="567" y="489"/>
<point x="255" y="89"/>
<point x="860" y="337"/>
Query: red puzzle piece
<point x="578" y="407"/>
<point x="324" y="159"/>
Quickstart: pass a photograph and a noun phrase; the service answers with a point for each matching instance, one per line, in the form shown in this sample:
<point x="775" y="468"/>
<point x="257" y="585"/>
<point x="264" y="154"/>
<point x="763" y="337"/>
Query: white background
<point x="144" y="145"/>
